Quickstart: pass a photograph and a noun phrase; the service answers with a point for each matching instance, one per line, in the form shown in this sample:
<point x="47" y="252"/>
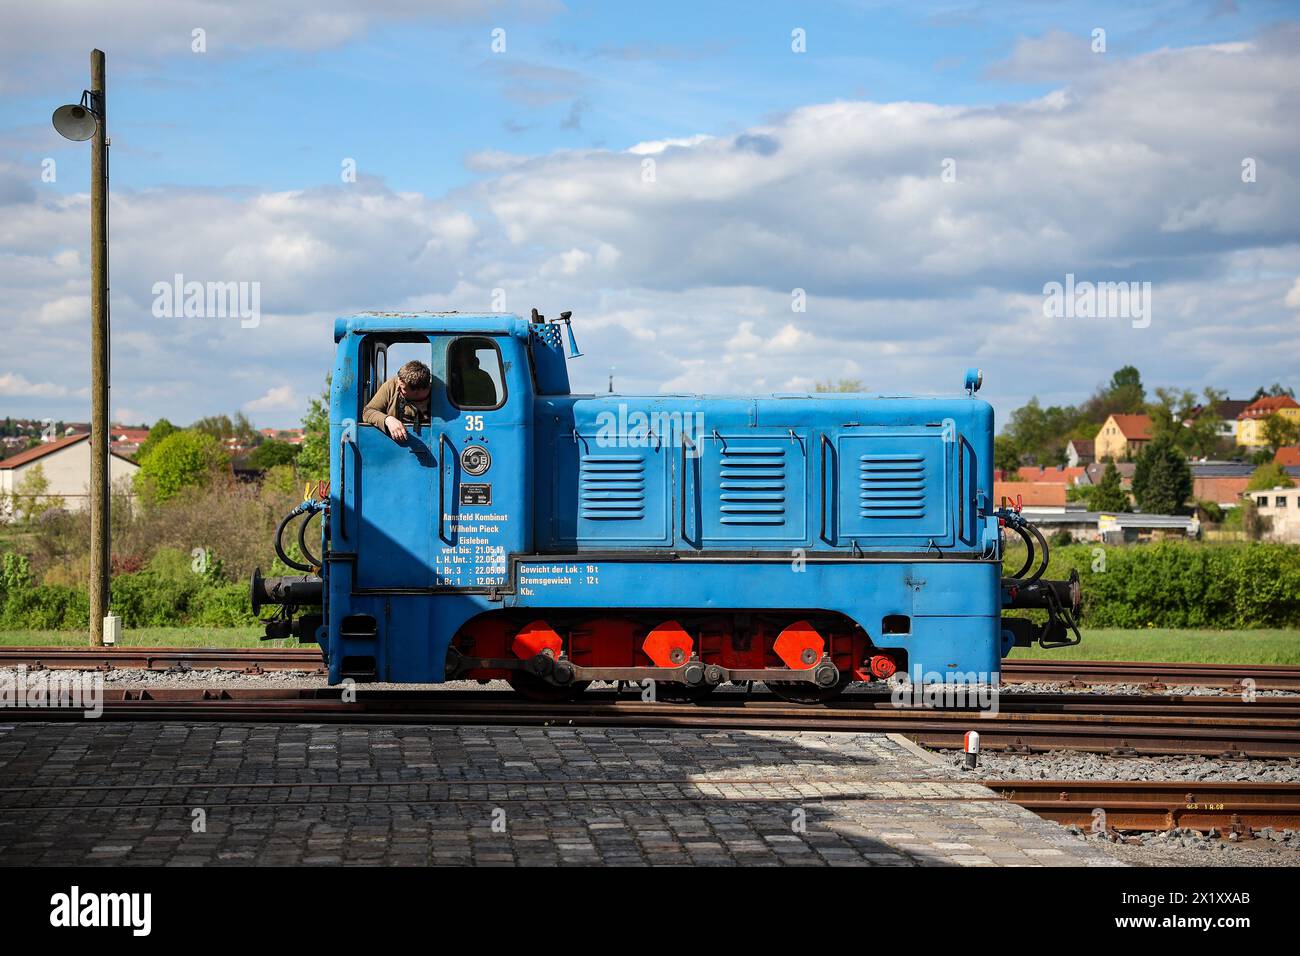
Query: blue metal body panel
<point x="865" y="505"/>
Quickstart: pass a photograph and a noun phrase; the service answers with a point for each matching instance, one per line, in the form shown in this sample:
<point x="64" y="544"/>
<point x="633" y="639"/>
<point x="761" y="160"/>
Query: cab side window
<point x="475" y="378"/>
<point x="384" y="356"/>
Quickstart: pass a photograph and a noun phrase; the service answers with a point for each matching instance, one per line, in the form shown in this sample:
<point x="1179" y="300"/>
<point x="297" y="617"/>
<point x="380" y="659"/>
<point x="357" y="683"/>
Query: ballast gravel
<point x="1072" y="765"/>
<point x="1177" y="847"/>
<point x="1135" y="690"/>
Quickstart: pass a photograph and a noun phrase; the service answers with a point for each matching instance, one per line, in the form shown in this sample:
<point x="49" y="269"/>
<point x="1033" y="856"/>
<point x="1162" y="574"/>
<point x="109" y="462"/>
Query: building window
<point x="1262" y="501"/>
<point x="1280" y="501"/>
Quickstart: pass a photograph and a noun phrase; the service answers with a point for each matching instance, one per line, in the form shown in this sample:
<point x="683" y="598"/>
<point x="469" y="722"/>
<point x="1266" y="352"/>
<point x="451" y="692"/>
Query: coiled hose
<point x="1029" y="550"/>
<point x="1042" y="542"/>
<point x="303" y="508"/>
<point x="1025" y="530"/>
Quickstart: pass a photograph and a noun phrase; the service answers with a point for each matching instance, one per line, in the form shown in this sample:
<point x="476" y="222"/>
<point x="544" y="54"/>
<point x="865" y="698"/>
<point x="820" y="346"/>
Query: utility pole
<point x="99" y="437"/>
<point x="88" y="120"/>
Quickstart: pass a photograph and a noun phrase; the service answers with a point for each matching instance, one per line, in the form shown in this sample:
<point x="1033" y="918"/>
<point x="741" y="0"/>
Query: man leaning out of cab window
<point x="403" y="398"/>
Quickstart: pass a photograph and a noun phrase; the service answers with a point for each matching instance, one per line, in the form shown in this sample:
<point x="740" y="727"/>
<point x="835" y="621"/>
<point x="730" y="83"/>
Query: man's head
<point x="414" y="380"/>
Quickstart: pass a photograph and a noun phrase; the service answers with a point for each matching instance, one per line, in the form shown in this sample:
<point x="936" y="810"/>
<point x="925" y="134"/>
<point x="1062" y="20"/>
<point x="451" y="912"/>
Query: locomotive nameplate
<point x="475" y="460"/>
<point x="475" y="494"/>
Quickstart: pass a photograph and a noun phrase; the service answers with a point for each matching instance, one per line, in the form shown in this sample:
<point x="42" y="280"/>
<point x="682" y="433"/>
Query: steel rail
<point x="1119" y="805"/>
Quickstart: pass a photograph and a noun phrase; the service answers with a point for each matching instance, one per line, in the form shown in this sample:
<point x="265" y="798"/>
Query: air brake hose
<point x="1046" y="554"/>
<point x="279" y="543"/>
<point x="1029" y="547"/>
<point x="302" y="542"/>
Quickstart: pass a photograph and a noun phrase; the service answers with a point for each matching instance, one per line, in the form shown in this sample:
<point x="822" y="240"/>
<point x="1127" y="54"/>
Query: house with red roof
<point x="1122" y="436"/>
<point x="127" y="440"/>
<point x="65" y="464"/>
<point x="1251" y="430"/>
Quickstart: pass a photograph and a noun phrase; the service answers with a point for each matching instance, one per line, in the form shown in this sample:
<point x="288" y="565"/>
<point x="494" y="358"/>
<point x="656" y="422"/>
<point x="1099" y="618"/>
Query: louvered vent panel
<point x="752" y="489"/>
<point x="612" y="487"/>
<point x="891" y="486"/>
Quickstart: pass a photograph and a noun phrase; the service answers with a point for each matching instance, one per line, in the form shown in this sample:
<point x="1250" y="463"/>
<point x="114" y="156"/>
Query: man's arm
<point x="376" y="410"/>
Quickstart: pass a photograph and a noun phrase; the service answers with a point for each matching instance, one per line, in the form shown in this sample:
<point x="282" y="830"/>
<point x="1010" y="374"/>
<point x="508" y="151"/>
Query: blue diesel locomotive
<point x="525" y="533"/>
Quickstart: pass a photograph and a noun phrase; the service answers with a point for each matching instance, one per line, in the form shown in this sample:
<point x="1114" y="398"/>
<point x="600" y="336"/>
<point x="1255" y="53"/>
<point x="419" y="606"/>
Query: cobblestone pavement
<point x="285" y="794"/>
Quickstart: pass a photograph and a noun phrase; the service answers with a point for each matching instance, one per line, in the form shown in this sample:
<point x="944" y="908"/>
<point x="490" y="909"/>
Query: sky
<point x="730" y="198"/>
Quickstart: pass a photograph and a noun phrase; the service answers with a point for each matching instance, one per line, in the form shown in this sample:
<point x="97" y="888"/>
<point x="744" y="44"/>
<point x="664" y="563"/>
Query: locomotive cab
<point x="421" y="513"/>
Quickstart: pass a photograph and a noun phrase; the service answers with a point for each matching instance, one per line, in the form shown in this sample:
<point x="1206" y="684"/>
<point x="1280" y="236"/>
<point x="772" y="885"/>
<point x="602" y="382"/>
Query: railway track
<point x="251" y="660"/>
<point x="256" y="660"/>
<point x="1215" y="727"/>
<point x="1146" y="805"/>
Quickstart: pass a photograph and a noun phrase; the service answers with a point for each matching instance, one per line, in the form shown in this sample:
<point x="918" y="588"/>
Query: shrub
<point x="271" y="453"/>
<point x="1270" y="475"/>
<point x="1185" y="584"/>
<point x="224" y="605"/>
<point x="47" y="607"/>
<point x="150" y="599"/>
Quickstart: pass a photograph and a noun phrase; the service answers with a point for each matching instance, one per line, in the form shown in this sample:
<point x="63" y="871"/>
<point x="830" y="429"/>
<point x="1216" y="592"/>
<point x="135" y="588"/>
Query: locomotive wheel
<point x="799" y="692"/>
<point x="674" y="692"/>
<point x="534" y="688"/>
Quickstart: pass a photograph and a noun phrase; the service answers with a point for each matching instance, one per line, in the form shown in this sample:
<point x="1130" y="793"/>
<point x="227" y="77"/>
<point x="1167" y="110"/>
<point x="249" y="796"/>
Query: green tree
<point x="314" y="454"/>
<point x="1006" y="456"/>
<point x="222" y="427"/>
<point x="1280" y="430"/>
<point x="1276" y="390"/>
<point x="1168" y="412"/>
<point x="1271" y="475"/>
<point x="271" y="453"/>
<point x="1202" y="433"/>
<point x="1109" y="494"/>
<point x="31" y="497"/>
<point x="1123" y="395"/>
<point x="1040" y="434"/>
<point x="183" y="459"/>
<point x="1162" y="480"/>
<point x="160" y="430"/>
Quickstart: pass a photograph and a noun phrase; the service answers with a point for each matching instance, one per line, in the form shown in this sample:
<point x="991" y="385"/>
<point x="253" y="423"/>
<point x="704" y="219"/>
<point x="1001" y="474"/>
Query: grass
<point x="1166" y="644"/>
<point x="1154" y="644"/>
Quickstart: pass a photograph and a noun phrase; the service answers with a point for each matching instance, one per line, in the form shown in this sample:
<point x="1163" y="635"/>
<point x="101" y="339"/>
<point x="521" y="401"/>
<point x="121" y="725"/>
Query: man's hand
<point x="396" y="430"/>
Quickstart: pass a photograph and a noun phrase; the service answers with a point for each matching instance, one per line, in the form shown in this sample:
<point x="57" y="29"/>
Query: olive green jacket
<point x="387" y="401"/>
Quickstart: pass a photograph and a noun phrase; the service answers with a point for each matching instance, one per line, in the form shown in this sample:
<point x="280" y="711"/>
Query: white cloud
<point x="651" y="147"/>
<point x="1293" y="296"/>
<point x="11" y="383"/>
<point x="1130" y="172"/>
<point x="277" y="399"/>
<point x="64" y="310"/>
